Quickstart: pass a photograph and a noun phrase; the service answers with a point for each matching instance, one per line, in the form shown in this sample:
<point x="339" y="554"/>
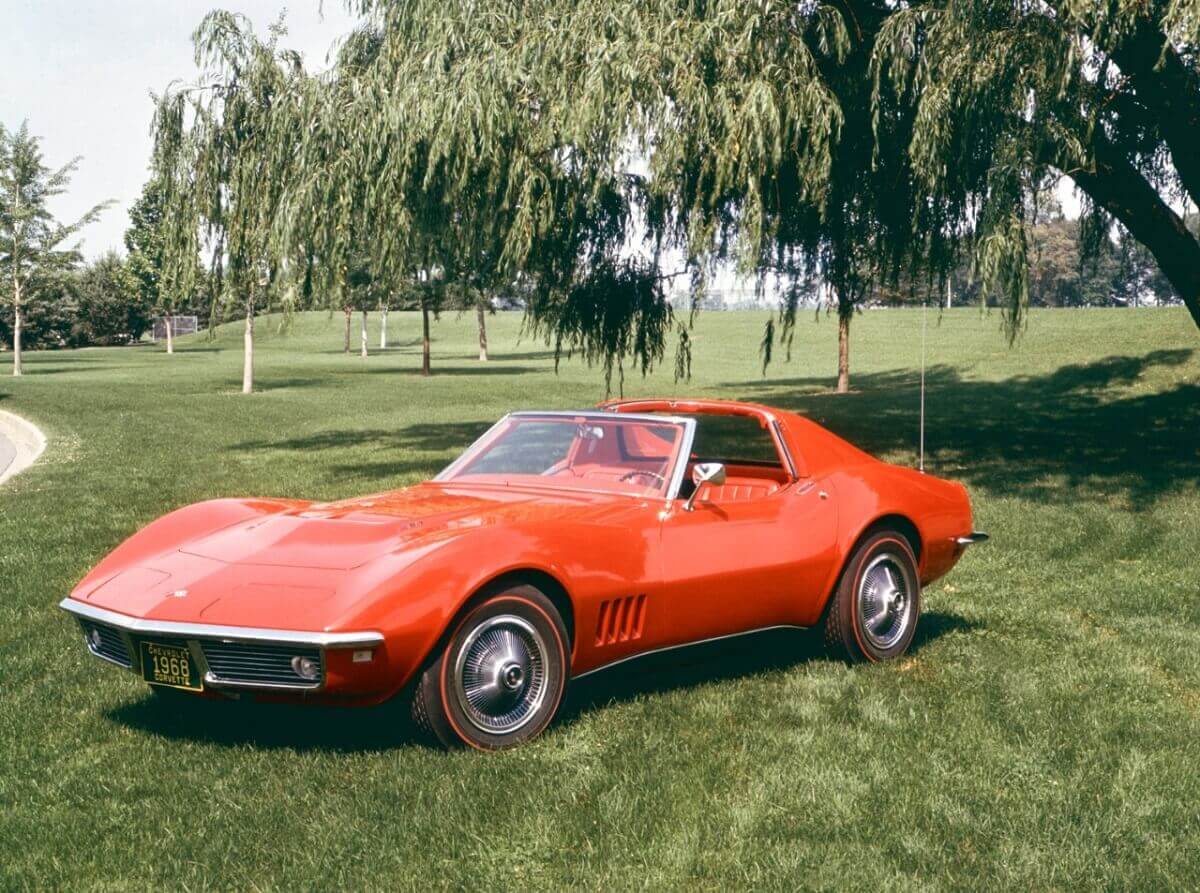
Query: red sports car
<point x="558" y="544"/>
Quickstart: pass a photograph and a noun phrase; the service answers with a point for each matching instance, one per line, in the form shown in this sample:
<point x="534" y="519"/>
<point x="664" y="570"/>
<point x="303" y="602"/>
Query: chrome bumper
<point x="223" y="653"/>
<point x="977" y="536"/>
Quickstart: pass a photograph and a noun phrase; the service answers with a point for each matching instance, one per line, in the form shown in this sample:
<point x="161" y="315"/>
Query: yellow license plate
<point x="170" y="665"/>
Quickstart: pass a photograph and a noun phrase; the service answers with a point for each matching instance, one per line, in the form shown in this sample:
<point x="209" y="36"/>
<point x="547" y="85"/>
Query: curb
<point x="27" y="442"/>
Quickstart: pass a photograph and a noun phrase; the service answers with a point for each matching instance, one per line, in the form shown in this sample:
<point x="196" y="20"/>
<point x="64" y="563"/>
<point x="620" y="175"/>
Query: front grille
<point x="104" y="641"/>
<point x="252" y="663"/>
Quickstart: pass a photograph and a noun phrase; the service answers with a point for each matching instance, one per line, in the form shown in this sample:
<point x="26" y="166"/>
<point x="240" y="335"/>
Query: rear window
<point x="734" y="440"/>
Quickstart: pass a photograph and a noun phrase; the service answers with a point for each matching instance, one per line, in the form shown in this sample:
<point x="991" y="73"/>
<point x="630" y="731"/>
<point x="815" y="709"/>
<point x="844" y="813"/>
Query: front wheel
<point x="873" y="613"/>
<point x="501" y="675"/>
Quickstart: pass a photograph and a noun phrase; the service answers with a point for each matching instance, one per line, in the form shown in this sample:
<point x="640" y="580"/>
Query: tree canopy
<point x="33" y="242"/>
<point x="593" y="154"/>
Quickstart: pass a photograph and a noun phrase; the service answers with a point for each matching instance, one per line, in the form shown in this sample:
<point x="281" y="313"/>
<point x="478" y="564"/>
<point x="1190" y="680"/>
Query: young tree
<point x="225" y="151"/>
<point x="31" y="240"/>
<point x="167" y="282"/>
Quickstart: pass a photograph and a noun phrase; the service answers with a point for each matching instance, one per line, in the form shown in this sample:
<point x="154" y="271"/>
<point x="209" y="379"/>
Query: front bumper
<point x="229" y="657"/>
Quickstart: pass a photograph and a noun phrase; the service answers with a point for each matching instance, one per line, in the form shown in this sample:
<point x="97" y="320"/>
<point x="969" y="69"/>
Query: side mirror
<point x="704" y="473"/>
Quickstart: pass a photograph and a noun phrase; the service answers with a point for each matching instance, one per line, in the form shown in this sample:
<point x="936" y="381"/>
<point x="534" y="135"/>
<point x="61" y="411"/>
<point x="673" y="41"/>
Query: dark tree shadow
<point x="420" y="450"/>
<point x="1078" y="432"/>
<point x="423" y="437"/>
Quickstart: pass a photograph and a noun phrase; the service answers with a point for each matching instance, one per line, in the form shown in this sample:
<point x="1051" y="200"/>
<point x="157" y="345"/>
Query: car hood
<point x="296" y="568"/>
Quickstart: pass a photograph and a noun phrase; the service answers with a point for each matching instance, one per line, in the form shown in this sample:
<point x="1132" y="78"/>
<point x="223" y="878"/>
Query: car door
<point x="736" y="564"/>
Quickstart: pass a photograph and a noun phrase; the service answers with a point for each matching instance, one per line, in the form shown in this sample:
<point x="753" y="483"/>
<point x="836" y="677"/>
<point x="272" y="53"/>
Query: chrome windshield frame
<point x="674" y="480"/>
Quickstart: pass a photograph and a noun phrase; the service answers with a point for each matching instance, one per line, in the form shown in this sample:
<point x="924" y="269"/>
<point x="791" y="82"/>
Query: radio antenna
<point x="921" y="452"/>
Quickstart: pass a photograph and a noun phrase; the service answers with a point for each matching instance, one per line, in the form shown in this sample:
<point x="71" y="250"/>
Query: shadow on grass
<point x="683" y="668"/>
<point x="475" y="368"/>
<point x="432" y="444"/>
<point x="422" y="437"/>
<point x="395" y="345"/>
<point x="1082" y="431"/>
<point x="388" y="726"/>
<point x="270" y="726"/>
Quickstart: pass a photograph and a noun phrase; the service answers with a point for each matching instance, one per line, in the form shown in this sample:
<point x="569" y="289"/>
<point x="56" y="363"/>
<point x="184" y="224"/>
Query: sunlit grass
<point x="1044" y="732"/>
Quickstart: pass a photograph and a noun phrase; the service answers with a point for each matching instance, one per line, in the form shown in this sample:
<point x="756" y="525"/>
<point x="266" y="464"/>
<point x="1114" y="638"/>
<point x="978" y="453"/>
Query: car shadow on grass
<point x="388" y="726"/>
<point x="744" y="656"/>
<point x="271" y="726"/>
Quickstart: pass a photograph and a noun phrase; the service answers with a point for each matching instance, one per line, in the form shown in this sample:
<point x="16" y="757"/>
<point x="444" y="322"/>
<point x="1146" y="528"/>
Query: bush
<point x="96" y="304"/>
<point x="49" y="313"/>
<point x="111" y="307"/>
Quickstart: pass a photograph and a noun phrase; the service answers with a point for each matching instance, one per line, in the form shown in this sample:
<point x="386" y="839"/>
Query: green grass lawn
<point x="1044" y="732"/>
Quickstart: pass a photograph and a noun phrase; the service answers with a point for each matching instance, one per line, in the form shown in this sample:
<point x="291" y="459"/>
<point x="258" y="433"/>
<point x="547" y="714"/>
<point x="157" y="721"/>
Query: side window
<point x="734" y="440"/>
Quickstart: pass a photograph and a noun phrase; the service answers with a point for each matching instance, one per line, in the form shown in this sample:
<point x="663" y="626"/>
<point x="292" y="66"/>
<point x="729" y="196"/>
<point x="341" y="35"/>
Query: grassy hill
<point x="1043" y="732"/>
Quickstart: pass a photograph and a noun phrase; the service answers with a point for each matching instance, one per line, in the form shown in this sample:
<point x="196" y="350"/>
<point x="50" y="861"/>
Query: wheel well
<point x="900" y="525"/>
<point x="548" y="585"/>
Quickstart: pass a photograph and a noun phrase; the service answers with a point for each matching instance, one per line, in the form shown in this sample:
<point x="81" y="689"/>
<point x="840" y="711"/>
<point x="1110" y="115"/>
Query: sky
<point x="81" y="72"/>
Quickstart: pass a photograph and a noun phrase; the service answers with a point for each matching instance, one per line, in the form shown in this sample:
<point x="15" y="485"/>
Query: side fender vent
<point x="621" y="619"/>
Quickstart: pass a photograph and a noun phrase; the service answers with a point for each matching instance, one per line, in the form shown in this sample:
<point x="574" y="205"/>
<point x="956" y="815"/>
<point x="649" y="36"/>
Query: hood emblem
<point x="179" y="593"/>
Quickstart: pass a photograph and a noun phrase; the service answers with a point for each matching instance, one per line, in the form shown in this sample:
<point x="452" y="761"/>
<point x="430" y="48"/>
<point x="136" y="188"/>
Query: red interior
<point x="742" y="482"/>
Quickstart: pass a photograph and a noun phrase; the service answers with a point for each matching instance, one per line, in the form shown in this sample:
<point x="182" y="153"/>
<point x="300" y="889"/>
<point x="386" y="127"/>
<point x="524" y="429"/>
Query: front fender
<point x="413" y="605"/>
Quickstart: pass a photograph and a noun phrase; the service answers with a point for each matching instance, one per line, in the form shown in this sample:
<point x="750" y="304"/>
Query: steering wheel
<point x="639" y="473"/>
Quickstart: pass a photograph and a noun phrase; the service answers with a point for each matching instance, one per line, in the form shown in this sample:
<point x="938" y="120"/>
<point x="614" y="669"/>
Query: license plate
<point x="170" y="665"/>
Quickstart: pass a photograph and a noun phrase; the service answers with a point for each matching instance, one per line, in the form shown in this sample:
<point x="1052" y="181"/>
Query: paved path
<point x="20" y="444"/>
<point x="8" y="452"/>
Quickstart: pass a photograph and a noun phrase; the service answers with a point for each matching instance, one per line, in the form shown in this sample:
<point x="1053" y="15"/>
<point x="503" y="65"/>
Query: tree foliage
<point x="1006" y="94"/>
<point x="224" y="154"/>
<point x="591" y="154"/>
<point x="32" y="242"/>
<point x="111" y="308"/>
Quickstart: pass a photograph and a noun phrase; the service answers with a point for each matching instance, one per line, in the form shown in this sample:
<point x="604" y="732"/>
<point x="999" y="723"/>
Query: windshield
<point x="586" y="451"/>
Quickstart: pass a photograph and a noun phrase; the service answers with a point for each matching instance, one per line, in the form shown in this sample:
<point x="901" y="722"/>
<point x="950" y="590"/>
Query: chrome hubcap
<point x="884" y="601"/>
<point x="500" y="674"/>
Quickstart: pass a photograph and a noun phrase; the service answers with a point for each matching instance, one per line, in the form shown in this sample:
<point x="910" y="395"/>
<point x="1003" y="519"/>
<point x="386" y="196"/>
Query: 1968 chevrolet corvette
<point x="558" y="544"/>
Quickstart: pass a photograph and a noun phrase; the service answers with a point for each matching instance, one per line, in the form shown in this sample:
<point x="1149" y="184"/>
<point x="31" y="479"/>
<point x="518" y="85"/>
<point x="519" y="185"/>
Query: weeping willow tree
<point x="224" y="150"/>
<point x="1005" y="94"/>
<point x="592" y="154"/>
<point x="853" y="140"/>
<point x="599" y="155"/>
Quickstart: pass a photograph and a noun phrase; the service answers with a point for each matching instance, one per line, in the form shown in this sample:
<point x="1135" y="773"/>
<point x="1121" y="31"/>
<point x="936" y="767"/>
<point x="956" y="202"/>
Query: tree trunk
<point x="1165" y="83"/>
<point x="346" y="348"/>
<point x="248" y="350"/>
<point x="843" y="378"/>
<point x="170" y="321"/>
<point x="383" y="329"/>
<point x="949" y="293"/>
<point x="363" y="340"/>
<point x="483" y="355"/>
<point x="17" y="326"/>
<point x="425" y="341"/>
<point x="1118" y="187"/>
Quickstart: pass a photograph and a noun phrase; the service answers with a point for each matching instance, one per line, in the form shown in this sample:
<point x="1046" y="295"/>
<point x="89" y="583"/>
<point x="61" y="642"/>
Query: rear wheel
<point x="501" y="675"/>
<point x="874" y="610"/>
